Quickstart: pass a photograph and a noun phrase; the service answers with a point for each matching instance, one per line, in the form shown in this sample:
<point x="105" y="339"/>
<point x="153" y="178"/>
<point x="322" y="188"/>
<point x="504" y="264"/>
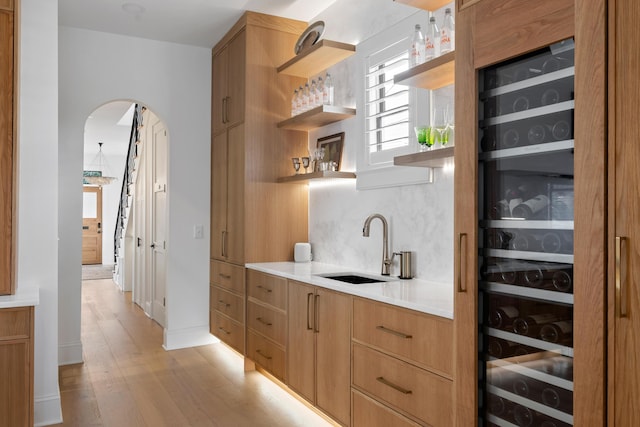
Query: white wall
<point x="174" y="81"/>
<point x="420" y="216"/>
<point x="37" y="234"/>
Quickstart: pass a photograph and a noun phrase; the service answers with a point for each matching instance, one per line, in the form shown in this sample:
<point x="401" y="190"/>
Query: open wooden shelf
<point x="317" y="117"/>
<point x="430" y="5"/>
<point x="427" y="159"/>
<point x="433" y="74"/>
<point x="304" y="177"/>
<point x="317" y="58"/>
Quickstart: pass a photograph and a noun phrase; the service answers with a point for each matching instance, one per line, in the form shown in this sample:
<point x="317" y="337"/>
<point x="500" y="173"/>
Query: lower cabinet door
<point x="266" y="354"/>
<point x="423" y="395"/>
<point x="367" y="413"/>
<point x="301" y="342"/>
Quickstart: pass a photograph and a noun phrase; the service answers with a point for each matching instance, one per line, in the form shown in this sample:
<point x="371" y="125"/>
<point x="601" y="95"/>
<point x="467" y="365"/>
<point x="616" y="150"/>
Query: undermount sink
<point x="352" y="278"/>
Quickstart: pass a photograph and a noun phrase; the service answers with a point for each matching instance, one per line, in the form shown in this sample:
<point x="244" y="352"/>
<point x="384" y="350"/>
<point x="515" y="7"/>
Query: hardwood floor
<point x="127" y="379"/>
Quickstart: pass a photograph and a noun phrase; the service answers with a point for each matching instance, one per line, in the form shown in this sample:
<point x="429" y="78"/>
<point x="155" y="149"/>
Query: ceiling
<point x="192" y="22"/>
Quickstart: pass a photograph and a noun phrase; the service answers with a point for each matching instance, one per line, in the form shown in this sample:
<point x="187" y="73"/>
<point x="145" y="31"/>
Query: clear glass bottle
<point x="313" y="95"/>
<point x="299" y="102"/>
<point x="447" y="33"/>
<point x="432" y="40"/>
<point x="320" y="92"/>
<point x="327" y="94"/>
<point x="305" y="97"/>
<point x="417" y="53"/>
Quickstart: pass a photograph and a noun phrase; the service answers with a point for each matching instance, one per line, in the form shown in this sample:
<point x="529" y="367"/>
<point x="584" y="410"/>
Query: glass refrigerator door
<point x="526" y="239"/>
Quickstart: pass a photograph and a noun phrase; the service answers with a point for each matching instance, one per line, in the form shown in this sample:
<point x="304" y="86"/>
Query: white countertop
<point x="420" y="295"/>
<point x="22" y="298"/>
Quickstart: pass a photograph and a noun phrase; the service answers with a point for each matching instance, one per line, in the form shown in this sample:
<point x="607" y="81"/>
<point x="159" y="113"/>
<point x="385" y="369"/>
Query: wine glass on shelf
<point x="305" y="163"/>
<point x="296" y="164"/>
<point x="450" y="124"/>
<point x="423" y="134"/>
<point x="440" y="125"/>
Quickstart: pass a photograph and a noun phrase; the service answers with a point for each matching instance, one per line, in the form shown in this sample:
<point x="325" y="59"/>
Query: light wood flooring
<point x="127" y="379"/>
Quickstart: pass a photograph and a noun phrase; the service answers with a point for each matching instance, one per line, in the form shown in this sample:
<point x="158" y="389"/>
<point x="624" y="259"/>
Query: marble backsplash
<point x="420" y="220"/>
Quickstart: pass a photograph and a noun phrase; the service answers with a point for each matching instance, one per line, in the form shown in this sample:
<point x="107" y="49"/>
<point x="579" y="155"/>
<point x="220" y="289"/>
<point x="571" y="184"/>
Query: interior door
<point x="92" y="225"/>
<point x="159" y="223"/>
<point x="139" y="213"/>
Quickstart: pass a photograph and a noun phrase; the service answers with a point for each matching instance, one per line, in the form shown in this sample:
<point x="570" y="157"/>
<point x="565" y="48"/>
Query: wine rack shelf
<point x="530" y="224"/>
<point x="317" y="117"/>
<point x="317" y="58"/>
<point x="432" y="75"/>
<point x="531" y="82"/>
<point x="527" y="114"/>
<point x="528" y="369"/>
<point x="533" y="293"/>
<point x="528" y="255"/>
<point x="529" y="150"/>
<point x="538" y="407"/>
<point x="531" y="342"/>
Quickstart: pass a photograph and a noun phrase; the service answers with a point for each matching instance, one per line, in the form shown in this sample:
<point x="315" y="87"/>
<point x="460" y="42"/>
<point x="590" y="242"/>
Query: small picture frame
<point x="332" y="145"/>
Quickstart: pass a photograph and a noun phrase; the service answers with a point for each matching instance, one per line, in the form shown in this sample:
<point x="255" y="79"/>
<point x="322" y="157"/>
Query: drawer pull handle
<point x="393" y="386"/>
<point x="264" y="289"/>
<point x="620" y="305"/>
<point x="224" y="303"/>
<point x="263" y="355"/>
<point x="224" y="276"/>
<point x="222" y="329"/>
<point x="392" y="332"/>
<point x="309" y="298"/>
<point x="259" y="319"/>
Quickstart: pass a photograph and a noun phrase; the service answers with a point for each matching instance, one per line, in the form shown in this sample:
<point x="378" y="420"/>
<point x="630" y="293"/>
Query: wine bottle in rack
<point x="503" y="317"/>
<point x="498" y="239"/>
<point x="549" y="96"/>
<point x="525" y="241"/>
<point x="557" y="398"/>
<point x="558" y="332"/>
<point x="523" y="416"/>
<point x="556" y="241"/>
<point x="530" y="325"/>
<point x="510" y="138"/>
<point x="531" y="207"/>
<point x="496" y="405"/>
<point x="521" y="103"/>
<point x="562" y="280"/>
<point x="500" y="349"/>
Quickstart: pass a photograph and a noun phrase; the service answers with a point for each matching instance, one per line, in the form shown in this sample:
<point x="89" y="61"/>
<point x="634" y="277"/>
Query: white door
<point x="159" y="223"/>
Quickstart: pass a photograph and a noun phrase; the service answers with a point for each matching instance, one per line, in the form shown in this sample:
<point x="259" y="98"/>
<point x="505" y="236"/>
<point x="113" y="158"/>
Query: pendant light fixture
<point x="98" y="170"/>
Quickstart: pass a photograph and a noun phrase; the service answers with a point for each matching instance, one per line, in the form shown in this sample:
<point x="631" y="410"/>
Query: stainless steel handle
<point x="459" y="262"/>
<point x="264" y="322"/>
<point x="309" y="298"/>
<point x="393" y="386"/>
<point x="621" y="306"/>
<point x="316" y="314"/>
<point x="392" y="332"/>
<point x="263" y="355"/>
<point x="222" y="329"/>
<point x="264" y="289"/>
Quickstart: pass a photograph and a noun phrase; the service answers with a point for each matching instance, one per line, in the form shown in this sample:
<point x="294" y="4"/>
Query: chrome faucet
<point x="386" y="261"/>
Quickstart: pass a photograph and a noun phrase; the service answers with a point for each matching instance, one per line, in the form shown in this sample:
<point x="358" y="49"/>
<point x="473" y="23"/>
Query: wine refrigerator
<point x="525" y="239"/>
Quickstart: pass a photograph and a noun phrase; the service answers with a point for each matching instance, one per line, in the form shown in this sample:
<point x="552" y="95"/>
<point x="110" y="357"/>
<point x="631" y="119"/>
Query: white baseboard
<point x="47" y="410"/>
<point x="69" y="354"/>
<point x="189" y="337"/>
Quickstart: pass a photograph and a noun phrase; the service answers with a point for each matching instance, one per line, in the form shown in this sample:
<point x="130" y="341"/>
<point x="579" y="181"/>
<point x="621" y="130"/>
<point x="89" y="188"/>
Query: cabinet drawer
<point x="15" y="323"/>
<point x="266" y="354"/>
<point x="367" y="412"/>
<point x="421" y="338"/>
<point x="267" y="321"/>
<point x="227" y="303"/>
<point x="267" y="288"/>
<point x="227" y="276"/>
<point x="227" y="330"/>
<point x="419" y="393"/>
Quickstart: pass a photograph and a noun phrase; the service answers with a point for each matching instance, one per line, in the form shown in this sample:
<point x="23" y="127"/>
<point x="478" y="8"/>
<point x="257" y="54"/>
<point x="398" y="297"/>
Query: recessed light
<point x="134" y="9"/>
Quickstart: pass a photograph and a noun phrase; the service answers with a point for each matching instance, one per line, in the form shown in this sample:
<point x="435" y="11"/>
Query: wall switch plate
<point x="198" y="231"/>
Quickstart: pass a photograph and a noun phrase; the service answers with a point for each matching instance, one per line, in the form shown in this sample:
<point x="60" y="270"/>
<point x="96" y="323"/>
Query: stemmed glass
<point x="296" y="164"/>
<point x="305" y="163"/>
<point x="449" y="119"/>
<point x="440" y="124"/>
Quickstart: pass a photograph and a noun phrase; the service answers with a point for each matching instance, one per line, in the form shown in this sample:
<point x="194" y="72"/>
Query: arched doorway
<point x="132" y="142"/>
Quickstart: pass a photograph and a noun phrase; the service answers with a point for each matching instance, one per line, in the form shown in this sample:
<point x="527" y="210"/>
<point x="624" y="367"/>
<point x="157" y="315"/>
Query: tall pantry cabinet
<point x="624" y="208"/>
<point x="531" y="125"/>
<point x="7" y="131"/>
<point x="253" y="218"/>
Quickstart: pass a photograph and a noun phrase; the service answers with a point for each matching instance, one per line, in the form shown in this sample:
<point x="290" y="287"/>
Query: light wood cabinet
<point x="267" y="321"/>
<point x="488" y="33"/>
<point x="402" y="359"/>
<point x="227" y="105"/>
<point x="16" y="366"/>
<point x="227" y="303"/>
<point x="624" y="223"/>
<point x="368" y="412"/>
<point x="319" y="333"/>
<point x="7" y="147"/>
<point x="252" y="218"/>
